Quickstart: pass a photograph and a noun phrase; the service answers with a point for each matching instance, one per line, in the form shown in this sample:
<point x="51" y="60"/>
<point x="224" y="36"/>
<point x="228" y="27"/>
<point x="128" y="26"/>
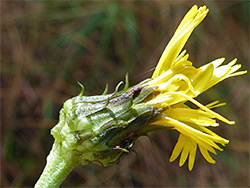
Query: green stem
<point x="59" y="165"/>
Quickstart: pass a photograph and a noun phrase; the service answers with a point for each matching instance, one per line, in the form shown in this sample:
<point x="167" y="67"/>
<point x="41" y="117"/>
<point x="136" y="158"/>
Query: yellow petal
<point x="222" y="72"/>
<point x="177" y="149"/>
<point x="192" y="155"/>
<point x="171" y="98"/>
<point x="215" y="104"/>
<point x="206" y="155"/>
<point x="175" y="45"/>
<point x="196" y="135"/>
<point x="218" y="116"/>
<point x="182" y="57"/>
<point x="216" y="63"/>
<point x="185" y="151"/>
<point x="198" y="117"/>
<point x="203" y="78"/>
<point x="190" y="14"/>
<point x="189" y="138"/>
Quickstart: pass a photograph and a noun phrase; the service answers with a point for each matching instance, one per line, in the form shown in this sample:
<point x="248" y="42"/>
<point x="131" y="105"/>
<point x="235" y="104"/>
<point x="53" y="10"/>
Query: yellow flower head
<point x="177" y="82"/>
<point x="101" y="128"/>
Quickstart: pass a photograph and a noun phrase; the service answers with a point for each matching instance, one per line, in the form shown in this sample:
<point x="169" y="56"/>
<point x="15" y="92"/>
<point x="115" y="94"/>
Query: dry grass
<point x="47" y="46"/>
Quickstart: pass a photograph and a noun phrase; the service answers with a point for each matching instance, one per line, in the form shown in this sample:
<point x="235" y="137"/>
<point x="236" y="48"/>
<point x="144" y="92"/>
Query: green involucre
<point x="101" y="128"/>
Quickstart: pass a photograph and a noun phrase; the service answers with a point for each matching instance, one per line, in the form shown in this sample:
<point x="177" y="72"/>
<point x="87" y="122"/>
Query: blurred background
<point x="47" y="46"/>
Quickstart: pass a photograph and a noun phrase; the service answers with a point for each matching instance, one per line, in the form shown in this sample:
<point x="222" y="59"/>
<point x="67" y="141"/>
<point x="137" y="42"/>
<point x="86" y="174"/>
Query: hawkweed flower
<point x="100" y="129"/>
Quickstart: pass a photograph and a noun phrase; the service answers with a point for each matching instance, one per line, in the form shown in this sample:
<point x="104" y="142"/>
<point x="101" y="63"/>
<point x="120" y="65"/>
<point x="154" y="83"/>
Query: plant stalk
<point x="59" y="165"/>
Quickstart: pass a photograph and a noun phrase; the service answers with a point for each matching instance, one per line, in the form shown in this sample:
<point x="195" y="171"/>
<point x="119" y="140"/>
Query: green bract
<point x="101" y="128"/>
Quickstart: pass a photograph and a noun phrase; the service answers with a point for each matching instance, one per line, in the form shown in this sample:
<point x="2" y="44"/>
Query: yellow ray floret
<point x="178" y="81"/>
<point x="192" y="125"/>
<point x="175" y="45"/>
